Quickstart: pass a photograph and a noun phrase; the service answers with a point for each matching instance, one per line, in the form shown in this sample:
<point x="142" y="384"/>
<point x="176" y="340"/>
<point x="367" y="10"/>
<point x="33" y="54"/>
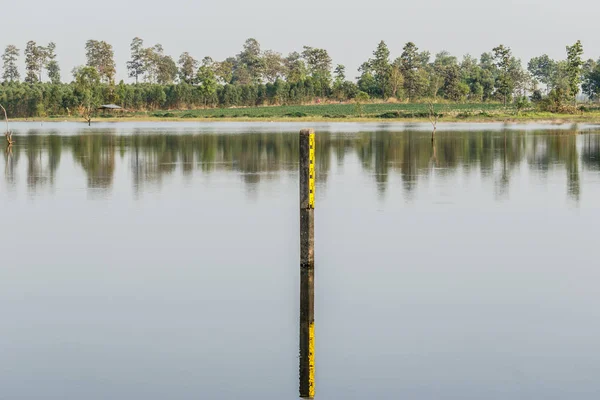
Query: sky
<point x="350" y="31"/>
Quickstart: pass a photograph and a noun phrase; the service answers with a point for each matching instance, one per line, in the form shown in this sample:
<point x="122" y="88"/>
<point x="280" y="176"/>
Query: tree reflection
<point x="411" y="155"/>
<point x="35" y="170"/>
<point x="11" y="158"/>
<point x="96" y="155"/>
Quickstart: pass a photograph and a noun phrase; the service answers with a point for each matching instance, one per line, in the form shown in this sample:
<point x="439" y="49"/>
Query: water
<point x="154" y="261"/>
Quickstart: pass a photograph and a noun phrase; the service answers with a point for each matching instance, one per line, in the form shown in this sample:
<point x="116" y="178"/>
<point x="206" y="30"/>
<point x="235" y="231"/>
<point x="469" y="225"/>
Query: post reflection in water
<point x="307" y="263"/>
<point x="413" y="156"/>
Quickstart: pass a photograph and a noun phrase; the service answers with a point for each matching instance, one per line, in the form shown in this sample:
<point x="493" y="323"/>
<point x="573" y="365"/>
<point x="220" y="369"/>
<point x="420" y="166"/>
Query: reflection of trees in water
<point x="590" y="152"/>
<point x="54" y="153"/>
<point x="34" y="161"/>
<point x="560" y="150"/>
<point x="511" y="148"/>
<point x="341" y="144"/>
<point x="43" y="158"/>
<point x="152" y="157"/>
<point x="258" y="156"/>
<point x="96" y="155"/>
<point x="322" y="155"/>
<point x="11" y="159"/>
<point x="572" y="166"/>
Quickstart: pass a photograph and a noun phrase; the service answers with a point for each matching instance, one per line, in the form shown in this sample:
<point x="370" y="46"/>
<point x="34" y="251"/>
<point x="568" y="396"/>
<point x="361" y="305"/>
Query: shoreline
<point x="558" y="120"/>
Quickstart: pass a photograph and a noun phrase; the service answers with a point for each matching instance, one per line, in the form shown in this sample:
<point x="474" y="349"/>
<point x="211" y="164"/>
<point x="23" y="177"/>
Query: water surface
<point x="153" y="261"/>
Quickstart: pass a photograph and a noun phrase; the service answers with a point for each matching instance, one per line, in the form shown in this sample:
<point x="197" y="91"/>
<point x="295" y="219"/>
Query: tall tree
<point x="318" y="62"/>
<point x="51" y="64"/>
<point x="167" y="71"/>
<point x="136" y="66"/>
<point x="574" y="64"/>
<point x="151" y="59"/>
<point x="502" y="60"/>
<point x="100" y="55"/>
<point x="381" y="68"/>
<point x="591" y="79"/>
<point x="319" y="67"/>
<point x="160" y="67"/>
<point x="273" y="66"/>
<point x="187" y="68"/>
<point x="295" y="68"/>
<point x="251" y="60"/>
<point x="87" y="80"/>
<point x="338" y="83"/>
<point x="207" y="81"/>
<point x="542" y="68"/>
<point x="487" y="78"/>
<point x="224" y="70"/>
<point x="33" y="59"/>
<point x="9" y="58"/>
<point x="412" y="62"/>
<point x="396" y="78"/>
<point x="366" y="80"/>
<point x="522" y="80"/>
<point x="440" y="74"/>
<point x="42" y="61"/>
<point x="340" y="73"/>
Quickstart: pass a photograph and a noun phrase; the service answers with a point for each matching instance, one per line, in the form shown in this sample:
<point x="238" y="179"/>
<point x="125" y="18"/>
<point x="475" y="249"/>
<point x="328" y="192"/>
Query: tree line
<point x="265" y="77"/>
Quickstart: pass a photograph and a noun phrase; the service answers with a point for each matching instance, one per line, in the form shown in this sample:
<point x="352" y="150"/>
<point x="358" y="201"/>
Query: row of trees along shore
<point x="264" y="77"/>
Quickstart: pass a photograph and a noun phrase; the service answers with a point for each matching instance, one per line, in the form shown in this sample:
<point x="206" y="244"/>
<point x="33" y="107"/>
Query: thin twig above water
<point x="8" y="133"/>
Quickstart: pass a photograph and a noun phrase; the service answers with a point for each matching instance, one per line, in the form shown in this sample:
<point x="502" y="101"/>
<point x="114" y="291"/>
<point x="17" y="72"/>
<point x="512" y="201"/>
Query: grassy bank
<point x="487" y="112"/>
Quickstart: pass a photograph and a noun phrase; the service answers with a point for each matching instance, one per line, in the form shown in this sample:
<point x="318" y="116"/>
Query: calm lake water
<point x="160" y="261"/>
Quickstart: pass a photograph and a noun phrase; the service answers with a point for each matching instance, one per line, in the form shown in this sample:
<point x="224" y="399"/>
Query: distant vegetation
<point x="255" y="77"/>
<point x="383" y="111"/>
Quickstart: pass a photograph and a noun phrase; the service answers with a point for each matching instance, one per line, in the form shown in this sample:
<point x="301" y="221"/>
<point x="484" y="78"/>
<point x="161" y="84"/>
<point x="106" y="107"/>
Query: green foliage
<point x="536" y="96"/>
<point x="100" y="56"/>
<point x="9" y="58"/>
<point x="187" y="68"/>
<point x="319" y="67"/>
<point x="591" y="79"/>
<point x="251" y="62"/>
<point x="87" y="90"/>
<point x="367" y="82"/>
<point x="208" y="85"/>
<point x="396" y="79"/>
<point x="521" y="104"/>
<point x="166" y="70"/>
<point x="382" y="69"/>
<point x="51" y="64"/>
<point x="390" y="114"/>
<point x="295" y="68"/>
<point x="360" y="98"/>
<point x="504" y="81"/>
<point x="255" y="78"/>
<point x="574" y="64"/>
<point x="413" y="84"/>
<point x="542" y="68"/>
<point x="136" y="66"/>
<point x="555" y="102"/>
<point x="273" y="66"/>
<point x="33" y="62"/>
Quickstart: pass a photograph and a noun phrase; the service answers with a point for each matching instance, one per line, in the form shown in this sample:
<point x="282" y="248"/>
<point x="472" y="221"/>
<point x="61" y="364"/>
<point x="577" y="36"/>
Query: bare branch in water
<point x="5" y="117"/>
<point x="433" y="117"/>
<point x="8" y="133"/>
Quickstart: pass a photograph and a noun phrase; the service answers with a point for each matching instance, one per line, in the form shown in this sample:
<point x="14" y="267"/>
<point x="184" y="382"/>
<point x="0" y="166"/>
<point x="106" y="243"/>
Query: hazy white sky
<point x="349" y="30"/>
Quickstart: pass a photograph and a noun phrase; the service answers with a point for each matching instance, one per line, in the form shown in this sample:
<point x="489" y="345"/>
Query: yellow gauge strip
<point x="311" y="171"/>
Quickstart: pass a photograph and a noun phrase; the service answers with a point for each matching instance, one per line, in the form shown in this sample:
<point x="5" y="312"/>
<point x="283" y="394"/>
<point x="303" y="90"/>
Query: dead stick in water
<point x="8" y="134"/>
